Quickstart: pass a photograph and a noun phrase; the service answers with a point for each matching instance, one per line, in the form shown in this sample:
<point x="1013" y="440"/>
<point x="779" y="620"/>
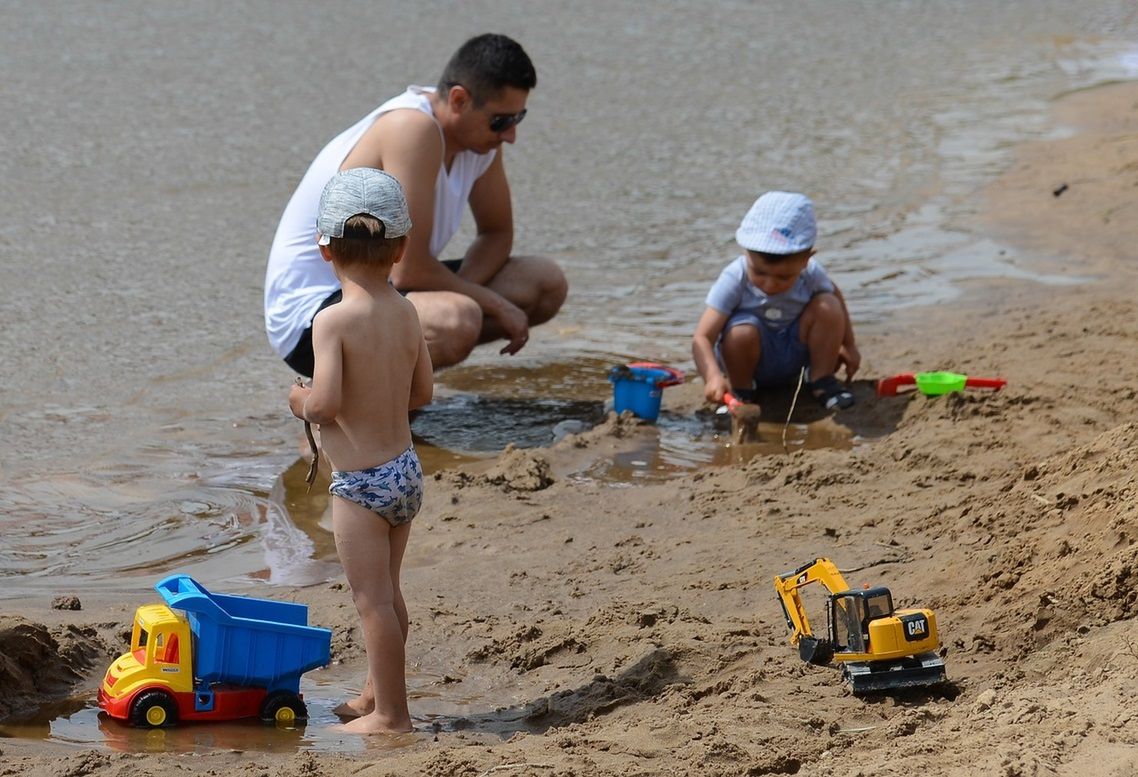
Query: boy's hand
<point x="851" y="358"/>
<point x="297" y="396"/>
<point x="715" y="387"/>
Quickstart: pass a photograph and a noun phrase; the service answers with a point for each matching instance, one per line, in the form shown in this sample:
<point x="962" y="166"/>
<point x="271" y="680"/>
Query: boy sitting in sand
<point x="371" y="367"/>
<point x="774" y="311"/>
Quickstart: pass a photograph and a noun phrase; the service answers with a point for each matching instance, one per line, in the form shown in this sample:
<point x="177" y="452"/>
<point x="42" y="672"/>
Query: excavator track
<point x="920" y="670"/>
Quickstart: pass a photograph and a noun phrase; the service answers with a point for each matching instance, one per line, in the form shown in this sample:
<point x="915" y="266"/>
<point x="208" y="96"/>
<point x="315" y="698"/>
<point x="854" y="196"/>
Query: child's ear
<point x="326" y="253"/>
<point x="401" y="251"/>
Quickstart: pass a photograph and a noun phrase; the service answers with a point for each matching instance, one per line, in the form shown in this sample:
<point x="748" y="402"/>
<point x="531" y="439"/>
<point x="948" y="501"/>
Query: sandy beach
<point x="648" y="640"/>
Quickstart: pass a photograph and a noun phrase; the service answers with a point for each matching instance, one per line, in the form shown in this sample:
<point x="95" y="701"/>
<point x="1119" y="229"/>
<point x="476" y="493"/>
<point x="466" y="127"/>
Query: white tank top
<point x="298" y="279"/>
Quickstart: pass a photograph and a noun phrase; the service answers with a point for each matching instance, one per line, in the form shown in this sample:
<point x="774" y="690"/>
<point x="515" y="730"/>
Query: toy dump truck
<point x="221" y="658"/>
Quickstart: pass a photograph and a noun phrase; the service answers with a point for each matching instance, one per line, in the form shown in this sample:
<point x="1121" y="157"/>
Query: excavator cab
<point x="850" y="616"/>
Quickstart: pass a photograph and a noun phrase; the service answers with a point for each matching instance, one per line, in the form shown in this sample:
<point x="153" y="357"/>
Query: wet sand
<point x="564" y="626"/>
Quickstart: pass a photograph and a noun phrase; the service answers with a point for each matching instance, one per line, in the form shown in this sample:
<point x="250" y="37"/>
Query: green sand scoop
<point x="935" y="383"/>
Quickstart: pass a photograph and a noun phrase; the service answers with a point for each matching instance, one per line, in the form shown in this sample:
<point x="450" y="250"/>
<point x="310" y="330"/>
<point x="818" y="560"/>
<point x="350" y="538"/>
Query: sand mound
<point x="514" y="470"/>
<point x="38" y="665"/>
<point x="1066" y="558"/>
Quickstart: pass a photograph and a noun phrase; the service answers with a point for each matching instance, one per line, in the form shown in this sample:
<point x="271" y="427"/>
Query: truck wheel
<point x="283" y="708"/>
<point x="153" y="709"/>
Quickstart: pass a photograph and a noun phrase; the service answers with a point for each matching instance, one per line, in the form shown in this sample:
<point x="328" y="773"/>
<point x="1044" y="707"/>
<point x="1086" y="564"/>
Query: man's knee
<point x="536" y="284"/>
<point x="447" y="353"/>
<point x="554" y="288"/>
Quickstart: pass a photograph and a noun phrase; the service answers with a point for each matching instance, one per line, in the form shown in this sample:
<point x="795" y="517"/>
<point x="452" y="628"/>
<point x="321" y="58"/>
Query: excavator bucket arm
<point x="812" y="649"/>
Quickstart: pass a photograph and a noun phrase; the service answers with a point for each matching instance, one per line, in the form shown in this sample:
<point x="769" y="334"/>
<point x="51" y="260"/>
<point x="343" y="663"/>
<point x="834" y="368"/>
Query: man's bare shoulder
<point x="407" y="127"/>
<point x="404" y="133"/>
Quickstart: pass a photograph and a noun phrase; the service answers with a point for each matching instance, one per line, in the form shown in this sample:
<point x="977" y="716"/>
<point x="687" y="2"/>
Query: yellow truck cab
<point x="159" y="656"/>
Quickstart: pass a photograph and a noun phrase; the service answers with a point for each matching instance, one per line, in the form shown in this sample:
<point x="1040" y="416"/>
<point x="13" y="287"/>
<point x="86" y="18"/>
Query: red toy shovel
<point x="935" y="383"/>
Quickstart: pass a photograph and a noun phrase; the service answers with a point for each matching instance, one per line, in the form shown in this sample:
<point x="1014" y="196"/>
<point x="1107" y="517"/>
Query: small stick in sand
<point x="310" y="478"/>
<point x="744" y="419"/>
<point x="793" y="403"/>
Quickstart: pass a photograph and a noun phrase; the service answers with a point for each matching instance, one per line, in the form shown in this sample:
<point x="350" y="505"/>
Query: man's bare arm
<point x="406" y="144"/>
<point x="494" y="218"/>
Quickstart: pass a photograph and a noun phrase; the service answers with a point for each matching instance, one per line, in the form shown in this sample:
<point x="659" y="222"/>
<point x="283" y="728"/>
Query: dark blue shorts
<point x="783" y="354"/>
<point x="300" y="358"/>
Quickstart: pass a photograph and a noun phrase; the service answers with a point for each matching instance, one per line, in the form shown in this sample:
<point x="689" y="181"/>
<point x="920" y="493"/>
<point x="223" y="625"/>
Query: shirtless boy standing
<point x="371" y="367"/>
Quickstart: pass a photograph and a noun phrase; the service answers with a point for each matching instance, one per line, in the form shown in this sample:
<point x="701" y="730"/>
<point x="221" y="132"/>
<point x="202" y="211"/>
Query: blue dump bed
<point x="246" y="641"/>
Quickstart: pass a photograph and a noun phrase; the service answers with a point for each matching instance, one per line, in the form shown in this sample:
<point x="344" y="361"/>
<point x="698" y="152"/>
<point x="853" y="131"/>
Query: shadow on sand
<point x="654" y="672"/>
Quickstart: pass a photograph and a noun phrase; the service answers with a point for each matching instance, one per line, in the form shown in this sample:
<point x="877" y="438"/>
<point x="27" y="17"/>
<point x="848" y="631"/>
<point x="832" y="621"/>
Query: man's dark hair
<point x="485" y="65"/>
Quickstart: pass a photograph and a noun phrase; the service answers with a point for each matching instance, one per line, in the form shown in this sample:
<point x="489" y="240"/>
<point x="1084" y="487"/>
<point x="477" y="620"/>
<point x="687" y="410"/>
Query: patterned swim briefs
<point x="394" y="490"/>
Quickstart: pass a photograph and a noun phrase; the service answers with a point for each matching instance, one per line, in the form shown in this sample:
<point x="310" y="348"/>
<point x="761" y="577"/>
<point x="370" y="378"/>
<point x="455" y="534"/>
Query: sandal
<point x="831" y="393"/>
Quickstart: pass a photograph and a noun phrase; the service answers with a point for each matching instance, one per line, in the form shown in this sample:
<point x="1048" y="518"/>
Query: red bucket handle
<point x="676" y="376"/>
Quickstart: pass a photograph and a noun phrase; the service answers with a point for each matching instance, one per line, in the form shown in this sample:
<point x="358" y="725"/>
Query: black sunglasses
<point x="500" y="122"/>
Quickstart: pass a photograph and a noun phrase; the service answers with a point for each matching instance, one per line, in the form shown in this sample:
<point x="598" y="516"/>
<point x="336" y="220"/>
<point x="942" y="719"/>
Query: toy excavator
<point x="878" y="647"/>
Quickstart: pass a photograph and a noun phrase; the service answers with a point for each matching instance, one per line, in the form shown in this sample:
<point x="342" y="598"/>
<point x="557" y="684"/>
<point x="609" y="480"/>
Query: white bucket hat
<point x="778" y="223"/>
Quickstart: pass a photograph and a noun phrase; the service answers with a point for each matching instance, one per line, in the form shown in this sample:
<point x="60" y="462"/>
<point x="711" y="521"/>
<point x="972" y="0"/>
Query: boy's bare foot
<point x="354" y="708"/>
<point x="374" y="723"/>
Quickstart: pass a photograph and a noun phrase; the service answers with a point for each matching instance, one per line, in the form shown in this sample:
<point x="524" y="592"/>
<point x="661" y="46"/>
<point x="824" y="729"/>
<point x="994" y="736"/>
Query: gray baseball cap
<point x="362" y="190"/>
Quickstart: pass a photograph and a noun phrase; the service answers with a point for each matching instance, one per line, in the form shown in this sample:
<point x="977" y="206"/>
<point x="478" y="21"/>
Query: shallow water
<point x="440" y="703"/>
<point x="148" y="149"/>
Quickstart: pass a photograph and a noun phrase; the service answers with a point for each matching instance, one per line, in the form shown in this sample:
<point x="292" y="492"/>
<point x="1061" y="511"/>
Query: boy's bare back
<point x="370" y="351"/>
<point x="371" y="365"/>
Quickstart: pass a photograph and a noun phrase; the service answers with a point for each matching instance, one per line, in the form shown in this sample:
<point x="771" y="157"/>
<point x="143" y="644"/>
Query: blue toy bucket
<point x="639" y="386"/>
